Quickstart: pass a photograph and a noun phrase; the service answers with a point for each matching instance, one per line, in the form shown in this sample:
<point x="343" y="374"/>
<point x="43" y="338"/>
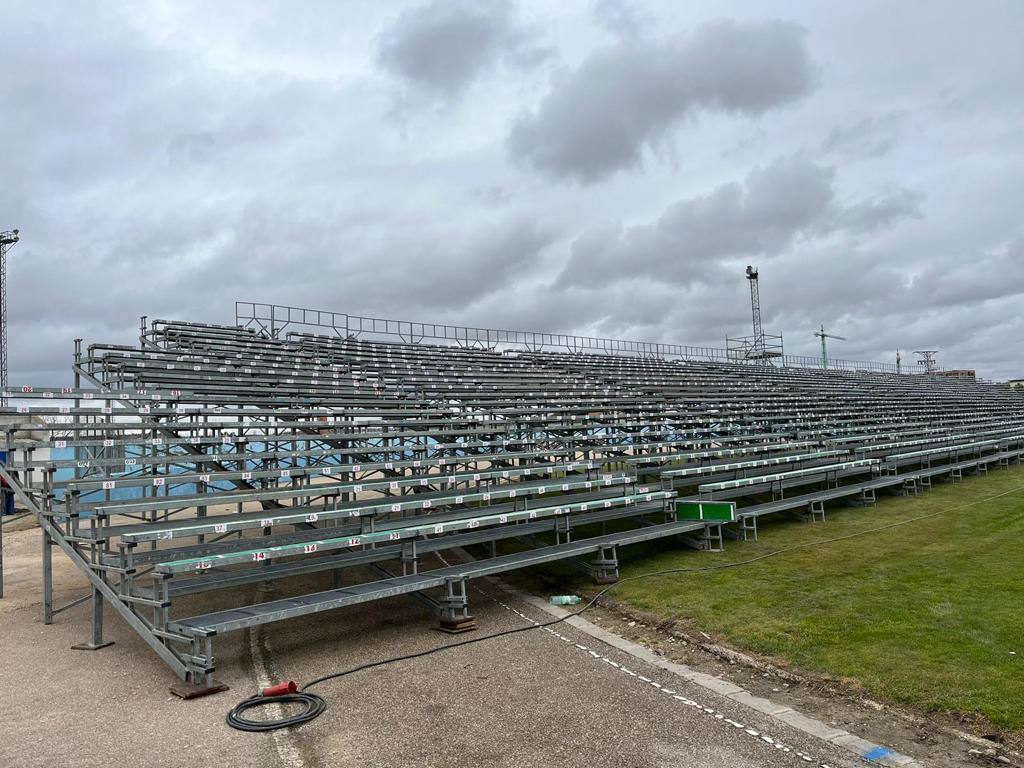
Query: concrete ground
<point x="530" y="699"/>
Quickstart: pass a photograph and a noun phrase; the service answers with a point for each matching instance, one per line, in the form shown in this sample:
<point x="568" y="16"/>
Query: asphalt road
<point x="532" y="699"/>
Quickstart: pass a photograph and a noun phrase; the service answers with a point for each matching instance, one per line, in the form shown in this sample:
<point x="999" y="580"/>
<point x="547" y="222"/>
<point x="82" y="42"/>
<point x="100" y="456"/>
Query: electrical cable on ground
<point x="316" y="706"/>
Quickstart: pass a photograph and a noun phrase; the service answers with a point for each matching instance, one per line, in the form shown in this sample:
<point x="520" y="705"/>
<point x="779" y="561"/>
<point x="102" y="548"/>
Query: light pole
<point x="7" y="239"/>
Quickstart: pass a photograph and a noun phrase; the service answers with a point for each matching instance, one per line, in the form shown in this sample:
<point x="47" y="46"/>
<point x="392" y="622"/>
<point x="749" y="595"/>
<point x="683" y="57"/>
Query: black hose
<point x="314" y="707"/>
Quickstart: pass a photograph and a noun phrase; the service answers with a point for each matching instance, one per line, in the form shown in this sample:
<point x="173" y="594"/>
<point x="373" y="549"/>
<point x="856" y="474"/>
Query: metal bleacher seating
<point x="209" y="457"/>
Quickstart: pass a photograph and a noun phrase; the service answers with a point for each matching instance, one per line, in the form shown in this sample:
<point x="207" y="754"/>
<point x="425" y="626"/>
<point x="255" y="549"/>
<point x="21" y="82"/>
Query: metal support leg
<point x="455" y="616"/>
<point x="714" y="541"/>
<point x="749" y="527"/>
<point x="47" y="579"/>
<point x="815" y="512"/>
<point x="97" y="626"/>
<point x="410" y="559"/>
<point x="605" y="566"/>
<point x="199" y="680"/>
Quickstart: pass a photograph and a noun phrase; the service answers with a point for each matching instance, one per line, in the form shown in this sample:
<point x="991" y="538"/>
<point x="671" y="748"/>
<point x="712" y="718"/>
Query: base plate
<point x="90" y="646"/>
<point x="195" y="690"/>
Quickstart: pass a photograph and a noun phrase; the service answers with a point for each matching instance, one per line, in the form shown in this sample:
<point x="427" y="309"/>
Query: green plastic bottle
<point x="566" y="599"/>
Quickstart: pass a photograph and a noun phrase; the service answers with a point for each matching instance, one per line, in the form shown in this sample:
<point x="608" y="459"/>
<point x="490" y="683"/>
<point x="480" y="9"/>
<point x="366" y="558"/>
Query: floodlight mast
<point x="755" y="310"/>
<point x="824" y="349"/>
<point x="7" y="239"/>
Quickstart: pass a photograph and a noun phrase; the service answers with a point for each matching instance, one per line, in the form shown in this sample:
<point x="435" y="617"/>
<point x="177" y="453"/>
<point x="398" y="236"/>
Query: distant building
<point x="1016" y="383"/>
<point x="958" y="373"/>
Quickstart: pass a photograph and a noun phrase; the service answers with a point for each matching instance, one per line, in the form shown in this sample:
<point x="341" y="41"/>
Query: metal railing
<point x="273" y="319"/>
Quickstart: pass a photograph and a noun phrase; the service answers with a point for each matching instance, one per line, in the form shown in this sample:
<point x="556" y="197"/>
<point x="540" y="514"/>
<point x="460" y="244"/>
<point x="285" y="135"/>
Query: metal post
<point x="97" y="626"/>
<point x="47" y="578"/>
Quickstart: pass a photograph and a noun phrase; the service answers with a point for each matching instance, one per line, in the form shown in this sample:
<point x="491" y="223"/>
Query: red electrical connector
<point x="281" y="689"/>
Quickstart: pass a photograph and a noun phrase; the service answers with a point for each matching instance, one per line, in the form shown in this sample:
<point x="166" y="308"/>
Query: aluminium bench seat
<point x="262" y="613"/>
<point x="397" y="531"/>
<point x="808" y="474"/>
<point x="298" y="515"/>
<point x="741" y="466"/>
<point x="185" y="584"/>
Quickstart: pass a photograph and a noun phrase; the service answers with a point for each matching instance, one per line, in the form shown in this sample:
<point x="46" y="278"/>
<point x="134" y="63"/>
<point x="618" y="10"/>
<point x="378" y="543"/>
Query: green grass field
<point x="928" y="614"/>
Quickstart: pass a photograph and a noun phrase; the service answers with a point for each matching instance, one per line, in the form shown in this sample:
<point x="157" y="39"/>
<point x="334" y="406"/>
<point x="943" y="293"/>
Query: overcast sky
<point x="604" y="167"/>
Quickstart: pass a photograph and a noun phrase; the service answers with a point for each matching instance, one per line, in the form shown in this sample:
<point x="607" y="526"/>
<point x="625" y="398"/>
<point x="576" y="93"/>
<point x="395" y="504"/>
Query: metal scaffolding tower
<point x="7" y="239"/>
<point x="761" y="347"/>
<point x="824" y="349"/>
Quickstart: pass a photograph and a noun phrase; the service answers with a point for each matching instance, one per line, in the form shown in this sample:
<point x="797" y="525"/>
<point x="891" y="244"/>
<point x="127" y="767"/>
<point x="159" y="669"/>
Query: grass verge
<point x="929" y="614"/>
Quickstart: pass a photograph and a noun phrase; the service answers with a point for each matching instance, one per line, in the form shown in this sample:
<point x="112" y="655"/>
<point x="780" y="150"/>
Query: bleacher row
<point x="210" y="457"/>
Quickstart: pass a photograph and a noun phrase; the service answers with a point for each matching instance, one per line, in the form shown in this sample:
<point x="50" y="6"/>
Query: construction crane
<point x="7" y="239"/>
<point x="928" y="359"/>
<point x="824" y="348"/>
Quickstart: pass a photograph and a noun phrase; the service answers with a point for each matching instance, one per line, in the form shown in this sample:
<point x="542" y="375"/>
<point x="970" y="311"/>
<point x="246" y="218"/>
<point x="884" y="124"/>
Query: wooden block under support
<point x="188" y="691"/>
<point x="457" y="626"/>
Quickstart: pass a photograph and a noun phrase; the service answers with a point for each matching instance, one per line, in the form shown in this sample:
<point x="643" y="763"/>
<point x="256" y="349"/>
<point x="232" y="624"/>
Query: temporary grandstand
<point x="300" y="442"/>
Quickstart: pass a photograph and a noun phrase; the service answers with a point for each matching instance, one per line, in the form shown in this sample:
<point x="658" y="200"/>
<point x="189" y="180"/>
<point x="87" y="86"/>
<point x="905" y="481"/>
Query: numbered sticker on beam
<point x="716" y="511"/>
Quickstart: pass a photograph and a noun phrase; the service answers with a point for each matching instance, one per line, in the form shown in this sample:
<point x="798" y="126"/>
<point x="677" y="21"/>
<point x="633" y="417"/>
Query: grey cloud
<point x="440" y="48"/>
<point x="870" y="137"/>
<point x="880" y="211"/>
<point x="621" y="18"/>
<point x="965" y="281"/>
<point x="689" y="240"/>
<point x="170" y="161"/>
<point x="598" y="119"/>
